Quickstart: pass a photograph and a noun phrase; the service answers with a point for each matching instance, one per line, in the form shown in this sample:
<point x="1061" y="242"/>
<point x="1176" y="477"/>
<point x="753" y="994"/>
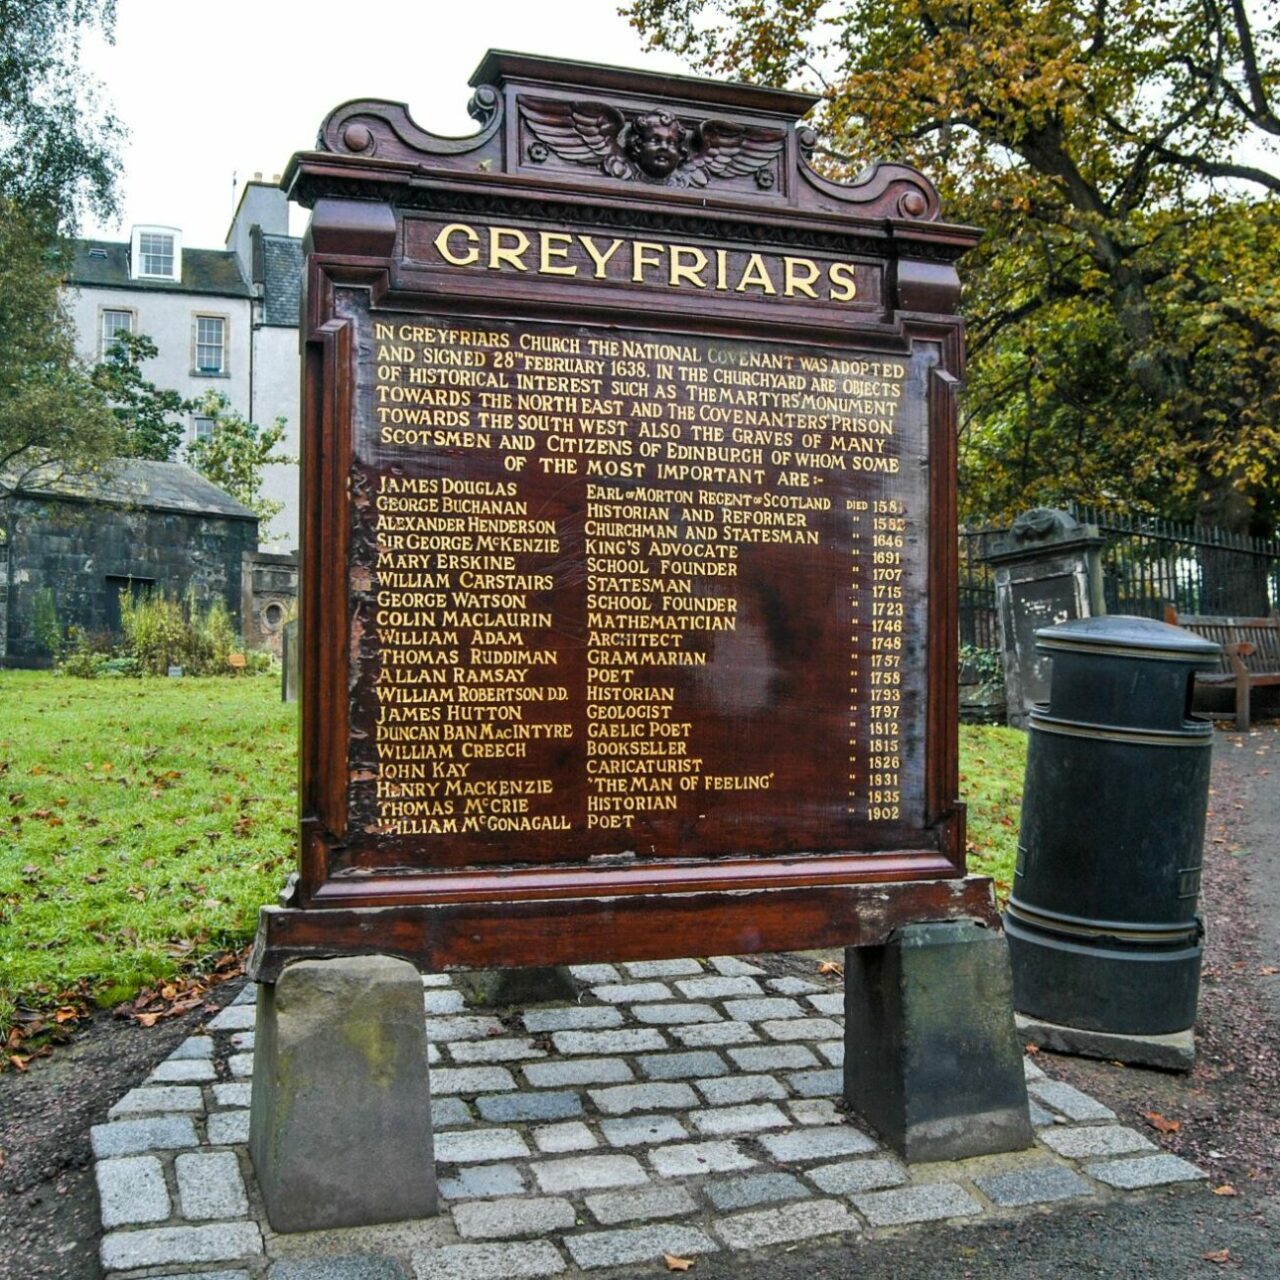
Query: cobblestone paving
<point x="680" y="1107"/>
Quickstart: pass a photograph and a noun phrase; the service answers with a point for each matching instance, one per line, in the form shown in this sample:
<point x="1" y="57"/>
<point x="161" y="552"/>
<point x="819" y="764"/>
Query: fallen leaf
<point x="1220" y="1256"/>
<point x="1225" y="1190"/>
<point x="1159" y="1123"/>
<point x="830" y="967"/>
<point x="1031" y="1048"/>
<point x="1269" y="970"/>
<point x="675" y="1263"/>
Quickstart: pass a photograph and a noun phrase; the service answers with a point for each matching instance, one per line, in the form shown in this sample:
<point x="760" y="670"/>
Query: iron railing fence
<point x="1146" y="562"/>
<point x="979" y="626"/>
<point x="1200" y="569"/>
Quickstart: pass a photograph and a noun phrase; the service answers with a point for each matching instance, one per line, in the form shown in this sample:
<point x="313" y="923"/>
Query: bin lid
<point x="1127" y="637"/>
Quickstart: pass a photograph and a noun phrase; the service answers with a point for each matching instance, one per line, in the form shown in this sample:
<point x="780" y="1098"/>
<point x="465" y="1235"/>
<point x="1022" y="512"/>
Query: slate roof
<point x="208" y="271"/>
<point x="151" y="486"/>
<point x="281" y="280"/>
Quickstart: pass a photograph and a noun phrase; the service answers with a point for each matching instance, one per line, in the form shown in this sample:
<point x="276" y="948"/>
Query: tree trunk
<point x="1233" y="579"/>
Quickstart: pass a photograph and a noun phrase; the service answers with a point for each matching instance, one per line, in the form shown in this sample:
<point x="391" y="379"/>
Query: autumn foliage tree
<point x="53" y="422"/>
<point x="236" y="453"/>
<point x="1124" y="326"/>
<point x="150" y="417"/>
<point x="58" y="158"/>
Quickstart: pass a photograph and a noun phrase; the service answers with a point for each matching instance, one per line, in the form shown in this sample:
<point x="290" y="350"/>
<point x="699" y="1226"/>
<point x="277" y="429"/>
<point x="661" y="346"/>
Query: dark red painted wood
<point x="559" y="154"/>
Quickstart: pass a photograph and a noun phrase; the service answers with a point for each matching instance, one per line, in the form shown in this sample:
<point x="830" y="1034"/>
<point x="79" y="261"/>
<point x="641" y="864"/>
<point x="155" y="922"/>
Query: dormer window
<point x="156" y="253"/>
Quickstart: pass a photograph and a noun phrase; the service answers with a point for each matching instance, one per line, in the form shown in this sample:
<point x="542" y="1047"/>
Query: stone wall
<point x="270" y="595"/>
<point x="85" y="552"/>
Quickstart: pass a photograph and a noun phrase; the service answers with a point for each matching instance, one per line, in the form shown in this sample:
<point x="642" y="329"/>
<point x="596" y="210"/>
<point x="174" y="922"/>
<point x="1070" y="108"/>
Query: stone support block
<point x="932" y="1060"/>
<point x="340" y="1132"/>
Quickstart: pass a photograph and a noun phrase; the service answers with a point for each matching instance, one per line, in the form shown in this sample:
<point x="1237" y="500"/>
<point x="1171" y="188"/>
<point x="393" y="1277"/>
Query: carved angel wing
<point x="581" y="132"/>
<point x="733" y="150"/>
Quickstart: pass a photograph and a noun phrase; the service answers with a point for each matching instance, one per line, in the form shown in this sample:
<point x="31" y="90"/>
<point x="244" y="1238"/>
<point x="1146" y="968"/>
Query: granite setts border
<point x="680" y="1107"/>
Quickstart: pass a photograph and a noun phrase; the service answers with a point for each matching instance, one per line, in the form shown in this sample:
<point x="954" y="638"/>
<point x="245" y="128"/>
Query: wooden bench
<point x="1250" y="652"/>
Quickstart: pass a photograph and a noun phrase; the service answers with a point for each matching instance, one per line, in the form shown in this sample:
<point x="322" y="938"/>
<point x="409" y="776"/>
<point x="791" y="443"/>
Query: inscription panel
<point x="688" y="273"/>
<point x="631" y="593"/>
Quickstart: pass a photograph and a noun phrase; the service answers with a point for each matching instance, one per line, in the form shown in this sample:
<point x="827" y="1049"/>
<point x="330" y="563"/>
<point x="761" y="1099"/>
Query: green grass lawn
<point x="992" y="763"/>
<point x="143" y="822"/>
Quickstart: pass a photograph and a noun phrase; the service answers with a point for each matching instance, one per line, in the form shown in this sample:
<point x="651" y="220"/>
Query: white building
<point x="222" y="320"/>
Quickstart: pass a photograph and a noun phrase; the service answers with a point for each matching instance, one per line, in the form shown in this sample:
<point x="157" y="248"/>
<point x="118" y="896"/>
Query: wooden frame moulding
<point x="381" y="173"/>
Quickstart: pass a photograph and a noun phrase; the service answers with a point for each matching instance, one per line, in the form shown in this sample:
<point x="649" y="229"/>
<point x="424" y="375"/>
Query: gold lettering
<point x="844" y="287"/>
<point x="600" y="259"/>
<point x="641" y="257"/>
<point x="756" y="274"/>
<point x="688" y="274"/>
<point x="793" y="283"/>
<point x="467" y="259"/>
<point x="555" y="244"/>
<point x="512" y="257"/>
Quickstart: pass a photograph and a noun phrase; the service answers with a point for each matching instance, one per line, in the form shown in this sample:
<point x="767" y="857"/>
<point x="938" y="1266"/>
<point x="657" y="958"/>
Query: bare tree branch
<point x="1221" y="169"/>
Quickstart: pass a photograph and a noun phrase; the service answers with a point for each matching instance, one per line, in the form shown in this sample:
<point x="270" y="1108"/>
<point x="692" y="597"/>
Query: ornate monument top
<point x="500" y="67"/>
<point x="611" y="132"/>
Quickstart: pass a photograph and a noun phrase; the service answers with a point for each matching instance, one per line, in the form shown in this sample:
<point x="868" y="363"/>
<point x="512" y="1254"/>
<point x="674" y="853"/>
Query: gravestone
<point x="289" y="675"/>
<point x="1049" y="570"/>
<point x="628" y="596"/>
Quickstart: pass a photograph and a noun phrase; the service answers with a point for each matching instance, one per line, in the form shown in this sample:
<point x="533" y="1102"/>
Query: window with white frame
<point x="211" y="345"/>
<point x="111" y="325"/>
<point x="201" y="428"/>
<point x="156" y="254"/>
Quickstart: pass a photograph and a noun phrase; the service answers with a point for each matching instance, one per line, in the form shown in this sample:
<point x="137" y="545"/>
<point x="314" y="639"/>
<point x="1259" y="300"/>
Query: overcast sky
<point x="237" y="87"/>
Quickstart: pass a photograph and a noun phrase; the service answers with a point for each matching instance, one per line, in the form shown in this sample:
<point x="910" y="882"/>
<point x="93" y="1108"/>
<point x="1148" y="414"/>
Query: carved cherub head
<point x="658" y="143"/>
<point x="654" y="145"/>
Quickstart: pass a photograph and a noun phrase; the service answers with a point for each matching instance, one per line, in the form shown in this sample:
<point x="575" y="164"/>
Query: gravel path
<point x="1228" y="1108"/>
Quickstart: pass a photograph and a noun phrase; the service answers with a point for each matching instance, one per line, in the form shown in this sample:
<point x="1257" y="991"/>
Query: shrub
<point x="155" y="631"/>
<point x="93" y="654"/>
<point x="161" y="632"/>
<point x="44" y="623"/>
<point x="983" y="667"/>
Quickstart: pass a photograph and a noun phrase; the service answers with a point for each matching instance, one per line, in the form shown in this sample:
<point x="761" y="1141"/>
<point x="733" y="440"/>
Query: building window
<point x="113" y="324"/>
<point x="201" y="428"/>
<point x="211" y="344"/>
<point x="156" y="252"/>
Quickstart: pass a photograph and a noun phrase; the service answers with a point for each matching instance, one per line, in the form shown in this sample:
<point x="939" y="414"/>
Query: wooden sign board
<point x="628" y="614"/>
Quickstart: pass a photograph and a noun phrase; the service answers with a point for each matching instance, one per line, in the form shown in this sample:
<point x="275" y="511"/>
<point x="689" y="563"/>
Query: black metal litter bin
<point x="1102" y="925"/>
